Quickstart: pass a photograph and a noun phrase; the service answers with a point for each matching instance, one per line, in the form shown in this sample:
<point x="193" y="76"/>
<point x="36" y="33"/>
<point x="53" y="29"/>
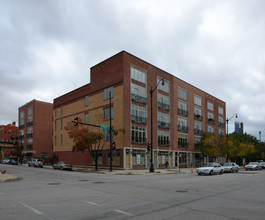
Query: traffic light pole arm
<point x="98" y="126"/>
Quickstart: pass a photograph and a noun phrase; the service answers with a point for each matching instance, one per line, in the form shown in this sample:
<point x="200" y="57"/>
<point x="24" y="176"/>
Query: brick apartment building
<point x="35" y="129"/>
<point x="8" y="141"/>
<point x="181" y="113"/>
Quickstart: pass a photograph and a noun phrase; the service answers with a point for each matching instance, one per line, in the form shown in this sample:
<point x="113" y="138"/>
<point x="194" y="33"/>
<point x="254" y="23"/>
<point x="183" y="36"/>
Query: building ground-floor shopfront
<point x="136" y="158"/>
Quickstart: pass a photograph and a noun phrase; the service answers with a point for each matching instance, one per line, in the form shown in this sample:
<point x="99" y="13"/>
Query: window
<point x="220" y="110"/>
<point x="197" y="141"/>
<point x="183" y="141"/>
<point x="182" y="94"/>
<point x="138" y="157"/>
<point x="183" y="158"/>
<point x="210" y="117"/>
<point x="61" y="139"/>
<point x="182" y="108"/>
<point x="21" y="120"/>
<point x="108" y="93"/>
<point x="182" y="125"/>
<point x="107" y="136"/>
<point x="211" y="129"/>
<point x="61" y="124"/>
<point x="30" y="143"/>
<point x="138" y="75"/>
<point x="138" y="135"/>
<point x="86" y="118"/>
<point x="221" y="132"/>
<point x="197" y="100"/>
<point x="163" y="138"/>
<point x="163" y="120"/>
<point x="210" y="106"/>
<point x="221" y="121"/>
<point x="163" y="101"/>
<point x="138" y="114"/>
<point x="197" y="128"/>
<point x="86" y="100"/>
<point x="138" y="93"/>
<point x="197" y="113"/>
<point x="107" y="113"/>
<point x="164" y="87"/>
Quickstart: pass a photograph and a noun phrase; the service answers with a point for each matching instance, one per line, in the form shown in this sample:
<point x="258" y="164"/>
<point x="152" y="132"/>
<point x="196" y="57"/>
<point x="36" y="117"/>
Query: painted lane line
<point x="122" y="212"/>
<point x="92" y="203"/>
<point x="31" y="208"/>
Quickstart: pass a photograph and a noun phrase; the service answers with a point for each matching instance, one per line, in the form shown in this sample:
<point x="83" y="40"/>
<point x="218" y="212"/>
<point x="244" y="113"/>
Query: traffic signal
<point x="113" y="145"/>
<point x="148" y="146"/>
<point x="75" y="121"/>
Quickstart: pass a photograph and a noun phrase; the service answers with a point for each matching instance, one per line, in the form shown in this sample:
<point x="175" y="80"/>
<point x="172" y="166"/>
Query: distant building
<point x="35" y="129"/>
<point x="239" y="127"/>
<point x="181" y="113"/>
<point x="8" y="141"/>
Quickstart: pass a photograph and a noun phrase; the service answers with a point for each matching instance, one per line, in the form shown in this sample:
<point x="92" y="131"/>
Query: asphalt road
<point x="55" y="194"/>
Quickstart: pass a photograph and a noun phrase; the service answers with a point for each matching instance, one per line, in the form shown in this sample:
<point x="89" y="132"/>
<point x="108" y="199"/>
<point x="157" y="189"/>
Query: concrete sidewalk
<point x="9" y="177"/>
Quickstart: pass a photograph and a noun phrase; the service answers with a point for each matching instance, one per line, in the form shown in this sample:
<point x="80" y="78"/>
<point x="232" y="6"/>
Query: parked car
<point x="5" y="161"/>
<point x="35" y="163"/>
<point x="210" y="168"/>
<point x="262" y="165"/>
<point x="253" y="166"/>
<point x="230" y="167"/>
<point x="63" y="166"/>
<point x="13" y="161"/>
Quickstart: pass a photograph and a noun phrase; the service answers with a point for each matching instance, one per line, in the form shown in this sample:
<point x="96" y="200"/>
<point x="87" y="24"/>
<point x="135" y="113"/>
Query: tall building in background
<point x="35" y="130"/>
<point x="181" y="113"/>
<point x="239" y="127"/>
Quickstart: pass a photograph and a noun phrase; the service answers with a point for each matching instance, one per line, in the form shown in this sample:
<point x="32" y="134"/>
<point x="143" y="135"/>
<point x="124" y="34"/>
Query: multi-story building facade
<point x="181" y="113"/>
<point x="35" y="129"/>
<point x="8" y="141"/>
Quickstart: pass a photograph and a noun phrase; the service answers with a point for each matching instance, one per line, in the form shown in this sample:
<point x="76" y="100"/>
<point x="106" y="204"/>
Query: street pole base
<point x="152" y="169"/>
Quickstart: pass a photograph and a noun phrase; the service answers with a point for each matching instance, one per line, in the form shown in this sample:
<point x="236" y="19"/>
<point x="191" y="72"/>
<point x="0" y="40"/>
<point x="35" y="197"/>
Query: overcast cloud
<point x="47" y="48"/>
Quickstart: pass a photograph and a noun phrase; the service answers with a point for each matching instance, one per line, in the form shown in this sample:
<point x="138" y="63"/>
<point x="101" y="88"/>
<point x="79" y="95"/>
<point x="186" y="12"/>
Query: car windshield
<point x="227" y="164"/>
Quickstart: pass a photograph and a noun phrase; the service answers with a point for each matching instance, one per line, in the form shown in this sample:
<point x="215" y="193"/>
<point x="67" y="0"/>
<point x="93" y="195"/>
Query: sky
<point x="48" y="47"/>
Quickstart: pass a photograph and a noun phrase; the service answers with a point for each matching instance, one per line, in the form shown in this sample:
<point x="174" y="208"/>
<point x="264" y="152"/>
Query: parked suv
<point x="35" y="163"/>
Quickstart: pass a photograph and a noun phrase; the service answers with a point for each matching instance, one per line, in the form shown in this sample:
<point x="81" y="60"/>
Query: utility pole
<point x="110" y="142"/>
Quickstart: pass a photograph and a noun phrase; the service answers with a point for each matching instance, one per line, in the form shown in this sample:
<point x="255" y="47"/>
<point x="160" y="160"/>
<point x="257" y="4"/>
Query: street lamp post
<point x="151" y="94"/>
<point x="227" y="120"/>
<point x="260" y="135"/>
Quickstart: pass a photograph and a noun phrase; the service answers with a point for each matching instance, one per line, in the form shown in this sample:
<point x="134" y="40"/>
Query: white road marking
<point x="31" y="208"/>
<point x="92" y="203"/>
<point x="122" y="212"/>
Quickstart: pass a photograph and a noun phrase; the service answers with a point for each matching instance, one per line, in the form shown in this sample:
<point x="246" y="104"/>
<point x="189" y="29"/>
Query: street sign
<point x="104" y="127"/>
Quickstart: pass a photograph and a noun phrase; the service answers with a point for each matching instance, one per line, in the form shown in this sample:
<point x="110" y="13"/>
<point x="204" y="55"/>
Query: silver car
<point x="253" y="166"/>
<point x="210" y="168"/>
<point x="230" y="167"/>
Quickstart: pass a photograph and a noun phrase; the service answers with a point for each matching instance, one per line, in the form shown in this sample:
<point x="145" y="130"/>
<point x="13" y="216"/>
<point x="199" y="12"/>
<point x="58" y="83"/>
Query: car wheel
<point x="29" y="165"/>
<point x="237" y="170"/>
<point x="231" y="171"/>
<point x="54" y="167"/>
<point x="211" y="172"/>
<point x="221" y="172"/>
<point x="199" y="174"/>
<point x="61" y="168"/>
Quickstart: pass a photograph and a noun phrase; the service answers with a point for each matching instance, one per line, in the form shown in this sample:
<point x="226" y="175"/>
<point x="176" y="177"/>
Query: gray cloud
<point x="47" y="48"/>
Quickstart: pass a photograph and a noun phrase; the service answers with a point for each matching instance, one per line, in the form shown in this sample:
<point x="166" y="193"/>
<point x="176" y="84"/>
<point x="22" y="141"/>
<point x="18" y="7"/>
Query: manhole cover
<point x="54" y="183"/>
<point x="182" y="191"/>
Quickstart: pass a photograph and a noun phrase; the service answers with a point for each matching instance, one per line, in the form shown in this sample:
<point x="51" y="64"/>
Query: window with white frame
<point x="210" y="129"/>
<point x="163" y="101"/>
<point x="164" y="87"/>
<point x="197" y="100"/>
<point x="138" y="135"/>
<point x="163" y="138"/>
<point x="210" y="106"/>
<point x="182" y="125"/>
<point x="220" y="110"/>
<point x="163" y="119"/>
<point x="221" y="132"/>
<point x="138" y="93"/>
<point x="138" y="114"/>
<point x="138" y="75"/>
<point x="182" y="94"/>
